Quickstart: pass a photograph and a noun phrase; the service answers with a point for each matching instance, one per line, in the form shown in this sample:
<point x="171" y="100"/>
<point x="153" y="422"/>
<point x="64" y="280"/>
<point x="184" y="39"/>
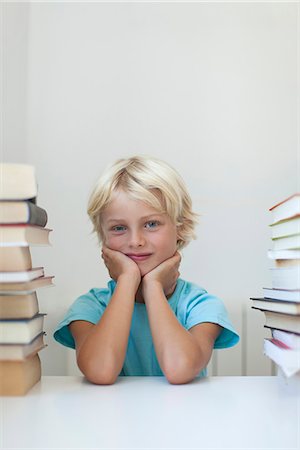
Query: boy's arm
<point x="101" y="348"/>
<point x="181" y="353"/>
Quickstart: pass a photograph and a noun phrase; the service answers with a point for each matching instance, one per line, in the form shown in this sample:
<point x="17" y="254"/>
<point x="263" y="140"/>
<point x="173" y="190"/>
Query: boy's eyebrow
<point x="142" y="218"/>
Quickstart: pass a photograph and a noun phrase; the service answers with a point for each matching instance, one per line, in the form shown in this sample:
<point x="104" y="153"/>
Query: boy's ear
<point x="180" y="241"/>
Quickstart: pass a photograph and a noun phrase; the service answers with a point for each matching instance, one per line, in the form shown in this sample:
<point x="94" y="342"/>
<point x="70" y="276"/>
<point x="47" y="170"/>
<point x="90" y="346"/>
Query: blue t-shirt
<point x="190" y="303"/>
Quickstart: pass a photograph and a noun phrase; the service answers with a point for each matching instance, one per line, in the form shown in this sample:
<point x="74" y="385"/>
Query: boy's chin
<point x="145" y="270"/>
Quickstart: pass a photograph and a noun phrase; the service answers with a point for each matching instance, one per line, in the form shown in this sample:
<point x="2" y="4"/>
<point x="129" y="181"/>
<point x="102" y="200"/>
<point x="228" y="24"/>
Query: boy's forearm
<point x="102" y="354"/>
<point x="177" y="352"/>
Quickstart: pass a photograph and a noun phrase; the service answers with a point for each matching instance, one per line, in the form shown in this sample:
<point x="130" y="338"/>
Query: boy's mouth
<point x="138" y="257"/>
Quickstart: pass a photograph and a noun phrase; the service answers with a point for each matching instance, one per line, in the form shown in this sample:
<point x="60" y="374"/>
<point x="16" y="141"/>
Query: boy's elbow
<point x="182" y="372"/>
<point x="178" y="378"/>
<point x="96" y="374"/>
<point x="103" y="379"/>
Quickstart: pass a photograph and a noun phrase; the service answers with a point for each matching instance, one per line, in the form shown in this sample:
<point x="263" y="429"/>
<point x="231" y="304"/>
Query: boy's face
<point x="136" y="229"/>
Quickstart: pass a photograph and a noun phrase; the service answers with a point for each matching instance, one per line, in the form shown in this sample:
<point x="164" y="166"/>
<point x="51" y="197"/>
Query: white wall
<point x="13" y="81"/>
<point x="209" y="87"/>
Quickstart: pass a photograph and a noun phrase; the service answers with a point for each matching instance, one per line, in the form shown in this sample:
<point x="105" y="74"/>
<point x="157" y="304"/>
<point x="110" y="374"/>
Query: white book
<point x="19" y="276"/>
<point x="287" y="359"/>
<point x="286" y="209"/>
<point x="284" y="254"/>
<point x="287" y="243"/>
<point x="266" y="304"/>
<point x="17" y="352"/>
<point x="286" y="278"/>
<point x="292" y="340"/>
<point x="20" y="331"/>
<point x="282" y="294"/>
<point x="285" y="227"/>
<point x="18" y="181"/>
<point x="23" y="235"/>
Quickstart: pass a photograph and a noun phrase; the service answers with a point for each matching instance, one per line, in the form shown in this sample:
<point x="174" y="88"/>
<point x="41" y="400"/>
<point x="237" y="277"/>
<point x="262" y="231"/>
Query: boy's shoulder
<point x="98" y="295"/>
<point x="188" y="290"/>
<point x="191" y="294"/>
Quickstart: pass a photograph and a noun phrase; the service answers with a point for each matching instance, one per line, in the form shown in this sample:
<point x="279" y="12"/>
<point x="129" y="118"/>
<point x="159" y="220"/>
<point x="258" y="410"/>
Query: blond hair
<point x="149" y="180"/>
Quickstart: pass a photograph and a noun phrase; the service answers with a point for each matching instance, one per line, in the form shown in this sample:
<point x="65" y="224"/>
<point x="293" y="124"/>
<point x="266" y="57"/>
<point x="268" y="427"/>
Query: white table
<point x="149" y="413"/>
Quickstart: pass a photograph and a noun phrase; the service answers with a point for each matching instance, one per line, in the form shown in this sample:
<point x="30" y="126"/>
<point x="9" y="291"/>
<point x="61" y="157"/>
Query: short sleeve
<point x="209" y="308"/>
<point x="89" y="307"/>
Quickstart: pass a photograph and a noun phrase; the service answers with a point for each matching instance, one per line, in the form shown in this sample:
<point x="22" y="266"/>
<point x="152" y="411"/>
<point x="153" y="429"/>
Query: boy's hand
<point x="166" y="275"/>
<point x="119" y="264"/>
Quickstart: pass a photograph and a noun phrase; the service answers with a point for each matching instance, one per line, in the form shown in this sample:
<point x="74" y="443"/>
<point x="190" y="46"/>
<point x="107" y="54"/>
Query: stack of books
<point x="22" y="224"/>
<point x="281" y="302"/>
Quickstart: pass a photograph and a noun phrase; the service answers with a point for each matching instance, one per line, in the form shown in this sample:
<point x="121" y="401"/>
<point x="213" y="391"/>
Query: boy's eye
<point x="118" y="228"/>
<point x="152" y="224"/>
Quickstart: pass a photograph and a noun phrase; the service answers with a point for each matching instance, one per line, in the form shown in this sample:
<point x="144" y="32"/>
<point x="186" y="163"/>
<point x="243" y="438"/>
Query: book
<point x="22" y="212"/>
<point x="285" y="227"/>
<point x="286" y="262"/>
<point x="288" y="359"/>
<point x="276" y="305"/>
<point x="23" y="235"/>
<point x="18" y="306"/>
<point x="17" y="377"/>
<point x="280" y="321"/>
<point x="15" y="258"/>
<point x="287" y="242"/>
<point x="284" y="254"/>
<point x="20" y="331"/>
<point x="18" y="182"/>
<point x="25" y="287"/>
<point x="15" y="352"/>
<point x="287" y="208"/>
<point x="282" y="294"/>
<point x="292" y="340"/>
<point x="18" y="276"/>
<point x="285" y="278"/>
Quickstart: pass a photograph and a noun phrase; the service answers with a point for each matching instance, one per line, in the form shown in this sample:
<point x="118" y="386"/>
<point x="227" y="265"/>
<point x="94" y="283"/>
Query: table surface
<point x="148" y="413"/>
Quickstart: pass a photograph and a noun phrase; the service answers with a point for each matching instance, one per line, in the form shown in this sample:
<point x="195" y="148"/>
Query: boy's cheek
<point x="113" y="243"/>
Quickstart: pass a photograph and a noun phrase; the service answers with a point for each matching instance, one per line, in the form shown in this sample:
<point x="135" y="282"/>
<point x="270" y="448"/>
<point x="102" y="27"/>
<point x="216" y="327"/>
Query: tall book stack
<point x="281" y="302"/>
<point x="22" y="224"/>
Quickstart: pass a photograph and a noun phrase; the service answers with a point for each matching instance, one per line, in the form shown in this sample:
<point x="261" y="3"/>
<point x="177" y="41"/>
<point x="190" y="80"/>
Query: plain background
<point x="212" y="88"/>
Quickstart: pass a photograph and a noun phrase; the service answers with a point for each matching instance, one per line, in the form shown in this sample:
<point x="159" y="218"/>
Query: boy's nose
<point x="136" y="239"/>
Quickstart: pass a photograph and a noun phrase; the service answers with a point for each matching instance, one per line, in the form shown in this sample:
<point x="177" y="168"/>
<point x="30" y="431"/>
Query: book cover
<point x="286" y="243"/>
<point x="18" y="182"/>
<point x="25" y="287"/>
<point x="286" y="227"/>
<point x="287" y="359"/>
<point x="285" y="278"/>
<point x="282" y="294"/>
<point x="20" y="331"/>
<point x="17" y="377"/>
<point x="281" y="321"/>
<point x="19" y="276"/>
<point x="23" y="235"/>
<point x="276" y="305"/>
<point x="284" y="254"/>
<point x="15" y="258"/>
<point x="17" y="352"/>
<point x="292" y="340"/>
<point x="286" y="208"/>
<point x="18" y="306"/>
<point x="22" y="212"/>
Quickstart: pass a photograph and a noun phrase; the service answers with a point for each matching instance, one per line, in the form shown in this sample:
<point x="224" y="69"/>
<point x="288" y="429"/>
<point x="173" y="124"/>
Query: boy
<point x="148" y="321"/>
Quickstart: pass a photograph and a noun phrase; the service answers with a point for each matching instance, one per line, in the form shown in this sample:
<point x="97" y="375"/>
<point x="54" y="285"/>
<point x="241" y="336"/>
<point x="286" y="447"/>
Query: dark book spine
<point x="36" y="215"/>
